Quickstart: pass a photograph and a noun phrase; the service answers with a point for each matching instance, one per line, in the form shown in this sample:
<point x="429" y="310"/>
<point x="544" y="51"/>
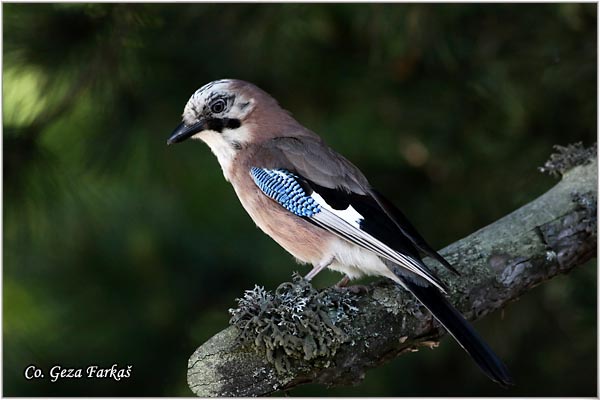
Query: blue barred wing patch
<point x="283" y="187"/>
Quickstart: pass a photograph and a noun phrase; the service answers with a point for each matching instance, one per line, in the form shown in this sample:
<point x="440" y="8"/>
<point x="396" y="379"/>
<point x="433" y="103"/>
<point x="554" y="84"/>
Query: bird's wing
<point x="309" y="157"/>
<point x="357" y="218"/>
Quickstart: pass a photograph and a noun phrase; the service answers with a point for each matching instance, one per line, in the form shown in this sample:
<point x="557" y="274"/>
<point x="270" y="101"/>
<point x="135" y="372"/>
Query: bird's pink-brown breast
<point x="303" y="240"/>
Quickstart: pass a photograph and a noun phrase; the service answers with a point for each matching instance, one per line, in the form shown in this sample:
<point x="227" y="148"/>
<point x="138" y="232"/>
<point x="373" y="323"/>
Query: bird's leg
<point x="318" y="268"/>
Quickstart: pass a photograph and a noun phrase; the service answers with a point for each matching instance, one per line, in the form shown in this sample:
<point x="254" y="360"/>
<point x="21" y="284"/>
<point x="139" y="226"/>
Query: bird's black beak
<point x="183" y="132"/>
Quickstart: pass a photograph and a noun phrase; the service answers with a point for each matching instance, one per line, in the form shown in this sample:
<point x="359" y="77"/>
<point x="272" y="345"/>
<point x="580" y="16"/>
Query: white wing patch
<point x="349" y="215"/>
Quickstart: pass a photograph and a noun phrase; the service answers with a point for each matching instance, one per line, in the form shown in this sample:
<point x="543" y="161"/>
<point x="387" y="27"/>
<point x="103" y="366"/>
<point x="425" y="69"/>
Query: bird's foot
<point x="343" y="282"/>
<point x="356" y="289"/>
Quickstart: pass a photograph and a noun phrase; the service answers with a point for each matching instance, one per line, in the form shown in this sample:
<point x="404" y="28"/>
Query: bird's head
<point x="229" y="115"/>
<point x="214" y="108"/>
<point x="223" y="108"/>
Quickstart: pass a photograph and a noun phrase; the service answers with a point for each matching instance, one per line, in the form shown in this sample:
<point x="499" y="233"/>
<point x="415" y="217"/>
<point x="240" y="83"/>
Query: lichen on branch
<point x="297" y="322"/>
<point x="567" y="157"/>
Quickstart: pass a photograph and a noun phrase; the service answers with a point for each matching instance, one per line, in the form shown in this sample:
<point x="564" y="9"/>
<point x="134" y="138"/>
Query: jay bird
<point x="316" y="204"/>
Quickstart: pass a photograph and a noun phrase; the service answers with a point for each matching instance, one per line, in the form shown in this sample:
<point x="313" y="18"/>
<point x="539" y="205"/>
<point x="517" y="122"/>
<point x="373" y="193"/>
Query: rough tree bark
<point x="549" y="236"/>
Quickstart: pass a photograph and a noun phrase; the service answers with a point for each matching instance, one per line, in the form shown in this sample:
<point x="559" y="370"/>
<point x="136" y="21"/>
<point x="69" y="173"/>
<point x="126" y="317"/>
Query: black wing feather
<point x="409" y="230"/>
<point x="376" y="222"/>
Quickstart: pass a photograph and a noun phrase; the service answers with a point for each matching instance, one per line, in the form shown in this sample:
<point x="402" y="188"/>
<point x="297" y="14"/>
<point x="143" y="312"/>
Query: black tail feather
<point x="461" y="330"/>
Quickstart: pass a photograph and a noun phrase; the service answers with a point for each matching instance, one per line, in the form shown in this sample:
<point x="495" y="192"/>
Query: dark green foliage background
<point x="119" y="249"/>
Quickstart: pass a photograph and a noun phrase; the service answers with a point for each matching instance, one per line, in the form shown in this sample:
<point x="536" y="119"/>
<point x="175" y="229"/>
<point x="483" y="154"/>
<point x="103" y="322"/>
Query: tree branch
<point x="551" y="235"/>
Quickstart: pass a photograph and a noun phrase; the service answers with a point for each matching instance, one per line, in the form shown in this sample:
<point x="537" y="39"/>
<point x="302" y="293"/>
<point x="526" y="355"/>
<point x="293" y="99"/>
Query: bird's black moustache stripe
<point x="218" y="124"/>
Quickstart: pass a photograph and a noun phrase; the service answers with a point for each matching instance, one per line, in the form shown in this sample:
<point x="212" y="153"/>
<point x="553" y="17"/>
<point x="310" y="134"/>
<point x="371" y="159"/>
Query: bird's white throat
<point x="225" y="145"/>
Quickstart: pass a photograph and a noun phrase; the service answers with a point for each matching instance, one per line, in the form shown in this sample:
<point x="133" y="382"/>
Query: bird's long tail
<point x="461" y="330"/>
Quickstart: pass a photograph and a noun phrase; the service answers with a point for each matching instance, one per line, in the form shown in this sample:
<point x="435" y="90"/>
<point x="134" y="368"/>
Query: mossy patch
<point x="297" y="322"/>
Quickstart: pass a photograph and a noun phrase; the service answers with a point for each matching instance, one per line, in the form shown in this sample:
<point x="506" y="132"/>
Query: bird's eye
<point x="217" y="106"/>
